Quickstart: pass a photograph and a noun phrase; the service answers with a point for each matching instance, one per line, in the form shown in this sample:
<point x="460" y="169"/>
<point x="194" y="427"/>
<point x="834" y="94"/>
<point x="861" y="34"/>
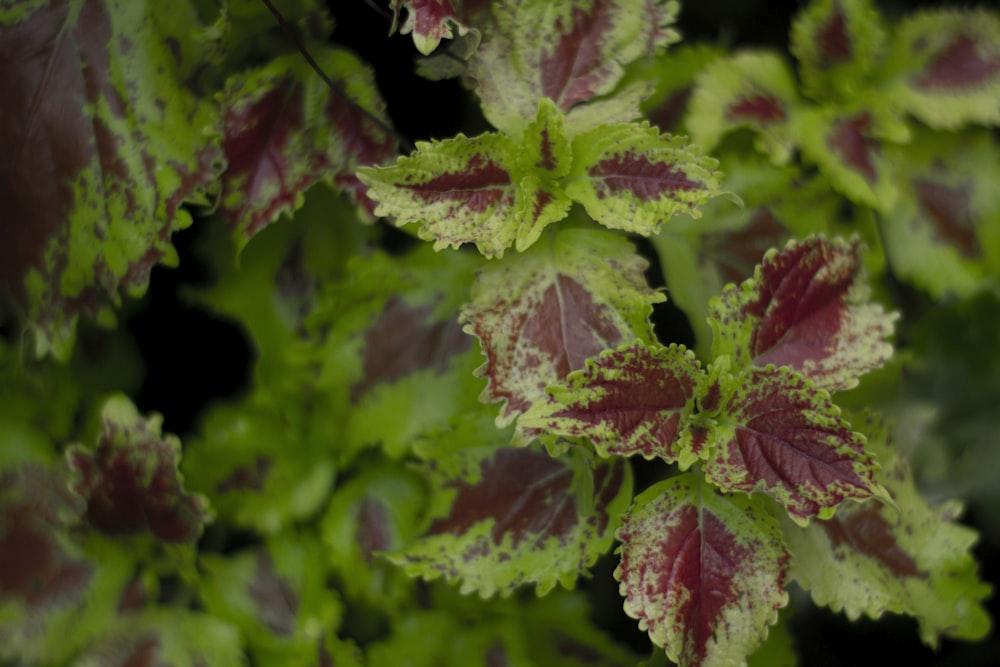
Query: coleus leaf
<point x="704" y="573"/>
<point x="167" y="637"/>
<point x="430" y="21"/>
<point x="377" y="512"/>
<point x="262" y="465"/>
<point x="848" y="145"/>
<point x="284" y="130"/>
<point x="543" y="313"/>
<point x="104" y="144"/>
<point x="631" y="400"/>
<point x="131" y="482"/>
<point x="779" y="434"/>
<point x="630" y="177"/>
<point x="944" y="235"/>
<point x="512" y="516"/>
<point x="674" y="72"/>
<point x="909" y="557"/>
<point x="838" y="43"/>
<point x="749" y="89"/>
<point x="808" y="308"/>
<point x="947" y="66"/>
<point x="569" y="52"/>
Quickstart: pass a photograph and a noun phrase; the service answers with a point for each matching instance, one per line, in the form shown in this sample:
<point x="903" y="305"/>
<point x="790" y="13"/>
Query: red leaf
<point x="833" y="41"/>
<point x="865" y="531"/>
<point x="850" y="138"/>
<point x="958" y="65"/>
<point x="763" y="108"/>
<point x="646" y="180"/>
<point x="949" y="210"/>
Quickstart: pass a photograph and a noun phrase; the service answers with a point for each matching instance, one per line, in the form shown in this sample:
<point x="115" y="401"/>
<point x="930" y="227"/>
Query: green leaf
<point x="285" y="130"/>
<point x="543" y="313"/>
<point x="377" y="512"/>
<point x="631" y="400"/>
<point x="459" y="191"/>
<point x="504" y="517"/>
<point x="908" y="557"/>
<point x="131" y="481"/>
<point x="104" y="146"/>
<point x="778" y="433"/>
<point x="753" y="89"/>
<point x="569" y="52"/>
<point x="944" y="235"/>
<point x="947" y="66"/>
<point x="807" y="307"/>
<point x="838" y="44"/>
<point x="702" y="572"/>
<point x="631" y="177"/>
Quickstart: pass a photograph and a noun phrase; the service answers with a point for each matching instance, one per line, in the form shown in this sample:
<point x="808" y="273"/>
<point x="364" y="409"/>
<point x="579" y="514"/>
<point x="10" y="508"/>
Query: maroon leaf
<point x="131" y="482"/>
<point x="949" y="209"/>
<point x="959" y="64"/>
<point x="865" y="531"/>
<point x="783" y="436"/>
<point x="404" y="340"/>
<point x="805" y="308"/>
<point x="737" y="252"/>
<point x="851" y="139"/>
<point x="276" y="602"/>
<point x="763" y="109"/>
<point x="832" y="40"/>
<point x="38" y="566"/>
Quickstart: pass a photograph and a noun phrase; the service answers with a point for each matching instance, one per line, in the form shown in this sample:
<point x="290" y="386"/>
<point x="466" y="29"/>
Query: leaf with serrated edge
<point x="908" y="558"/>
<point x="430" y="21"/>
<point x="131" y="481"/>
<point x="102" y="145"/>
<point x="750" y="89"/>
<point x="460" y="190"/>
<point x="807" y="307"/>
<point x="779" y="434"/>
<point x="569" y="52"/>
<point x="632" y="400"/>
<point x="631" y="177"/>
<point x="285" y="131"/>
<point x="543" y="313"/>
<point x="702" y="572"/>
<point x="838" y="43"/>
<point x="947" y="65"/>
<point x="513" y="516"/>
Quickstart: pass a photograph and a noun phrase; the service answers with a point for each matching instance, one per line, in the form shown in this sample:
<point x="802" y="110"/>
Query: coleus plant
<point x="378" y="472"/>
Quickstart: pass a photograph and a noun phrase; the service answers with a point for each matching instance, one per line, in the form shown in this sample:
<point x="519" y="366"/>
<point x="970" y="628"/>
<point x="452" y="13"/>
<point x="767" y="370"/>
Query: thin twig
<point x="385" y="14"/>
<point x="405" y="143"/>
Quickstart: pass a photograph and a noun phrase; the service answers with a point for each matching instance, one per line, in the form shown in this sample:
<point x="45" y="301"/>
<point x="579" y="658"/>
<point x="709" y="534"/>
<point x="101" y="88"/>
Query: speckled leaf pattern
<point x="807" y="307"/>
<point x="514" y="516"/>
<point x="633" y="178"/>
<point x="749" y="89"/>
<point x="703" y="573"/>
<point x="543" y="313"/>
<point x="632" y="400"/>
<point x="910" y="557"/>
<point x="780" y="435"/>
<point x="430" y="21"/>
<point x="286" y="130"/>
<point x="837" y="43"/>
<point x="949" y="66"/>
<point x="131" y="482"/>
<point x="460" y="190"/>
<point x="944" y="236"/>
<point x="102" y="146"/>
<point x="570" y="51"/>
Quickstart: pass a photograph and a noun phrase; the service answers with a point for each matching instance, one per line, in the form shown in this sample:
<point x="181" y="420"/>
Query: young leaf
<point x="284" y="130"/>
<point x="750" y="89"/>
<point x="131" y="482"/>
<point x="704" y="573"/>
<point x="947" y="65"/>
<point x="944" y="235"/>
<point x="838" y="43"/>
<point x="908" y="558"/>
<point x="780" y="434"/>
<point x="631" y="400"/>
<point x="806" y="308"/>
<point x="543" y="313"/>
<point x="569" y="52"/>
<point x="507" y="517"/>
<point x="430" y="21"/>
<point x="103" y="144"/>
<point x="630" y="177"/>
<point x="459" y="191"/>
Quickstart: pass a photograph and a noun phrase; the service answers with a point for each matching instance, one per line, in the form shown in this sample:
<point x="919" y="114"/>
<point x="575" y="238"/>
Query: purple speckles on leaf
<point x="638" y="176"/>
<point x="958" y="65"/>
